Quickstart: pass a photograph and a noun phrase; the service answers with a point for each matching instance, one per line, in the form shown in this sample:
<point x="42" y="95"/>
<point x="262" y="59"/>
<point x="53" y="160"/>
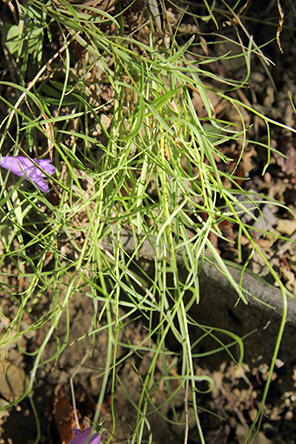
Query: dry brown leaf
<point x="63" y="415"/>
<point x="288" y="163"/>
<point x="281" y="21"/>
<point x="13" y="381"/>
<point x="286" y="226"/>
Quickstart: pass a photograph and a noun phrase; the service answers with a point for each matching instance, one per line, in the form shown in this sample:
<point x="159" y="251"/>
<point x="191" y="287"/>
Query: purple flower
<point x="24" y="167"/>
<point x="80" y="437"/>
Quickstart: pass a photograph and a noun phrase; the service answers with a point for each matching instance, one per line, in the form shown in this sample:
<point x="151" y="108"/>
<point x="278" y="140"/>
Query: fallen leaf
<point x="288" y="163"/>
<point x="63" y="415"/>
<point x="13" y="381"/>
<point x="286" y="226"/>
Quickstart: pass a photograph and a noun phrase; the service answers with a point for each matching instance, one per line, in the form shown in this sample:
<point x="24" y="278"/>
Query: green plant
<point x="154" y="141"/>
